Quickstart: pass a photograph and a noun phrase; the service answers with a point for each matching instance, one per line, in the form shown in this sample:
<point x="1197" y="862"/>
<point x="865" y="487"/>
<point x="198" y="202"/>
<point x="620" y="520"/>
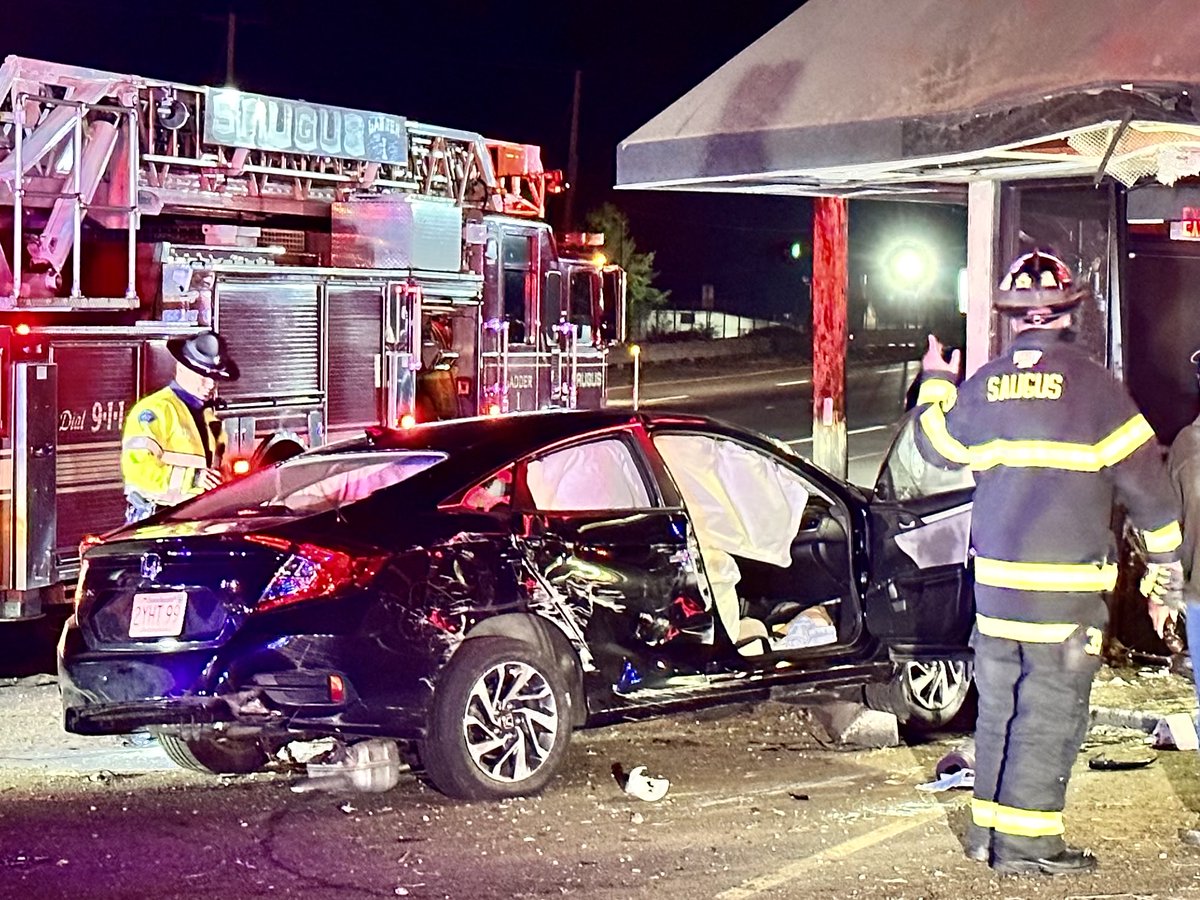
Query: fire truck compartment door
<point x="274" y="332"/>
<point x="35" y="420"/>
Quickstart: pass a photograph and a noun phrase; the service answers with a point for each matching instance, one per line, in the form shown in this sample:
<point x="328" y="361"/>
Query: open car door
<point x="919" y="600"/>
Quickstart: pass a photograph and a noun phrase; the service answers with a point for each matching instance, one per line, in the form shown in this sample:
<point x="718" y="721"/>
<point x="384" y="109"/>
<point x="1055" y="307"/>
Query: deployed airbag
<point x="739" y="500"/>
<point x="597" y="475"/>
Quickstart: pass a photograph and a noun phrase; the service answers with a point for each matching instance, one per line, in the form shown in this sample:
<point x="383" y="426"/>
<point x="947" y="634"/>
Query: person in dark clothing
<point x="1053" y="440"/>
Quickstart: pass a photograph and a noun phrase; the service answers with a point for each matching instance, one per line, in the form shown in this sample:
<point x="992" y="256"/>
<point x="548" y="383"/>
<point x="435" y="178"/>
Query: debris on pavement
<point x="638" y="784"/>
<point x="959" y="778"/>
<point x="961" y="756"/>
<point x="1134" y="756"/>
<point x="41" y="679"/>
<point x="370" y="766"/>
<point x="1176" y="731"/>
<point x="854" y="725"/>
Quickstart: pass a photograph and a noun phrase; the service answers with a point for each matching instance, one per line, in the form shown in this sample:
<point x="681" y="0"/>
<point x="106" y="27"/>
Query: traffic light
<point x="796" y="250"/>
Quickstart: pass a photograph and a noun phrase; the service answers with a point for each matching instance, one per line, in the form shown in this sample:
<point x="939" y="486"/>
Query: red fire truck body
<point x="366" y="269"/>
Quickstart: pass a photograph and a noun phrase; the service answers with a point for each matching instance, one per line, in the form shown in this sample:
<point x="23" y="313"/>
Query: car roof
<point x="483" y="444"/>
<point x="499" y="439"/>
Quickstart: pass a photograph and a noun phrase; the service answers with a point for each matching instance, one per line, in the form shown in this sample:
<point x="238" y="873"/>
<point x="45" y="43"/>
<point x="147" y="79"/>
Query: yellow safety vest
<point x="162" y="451"/>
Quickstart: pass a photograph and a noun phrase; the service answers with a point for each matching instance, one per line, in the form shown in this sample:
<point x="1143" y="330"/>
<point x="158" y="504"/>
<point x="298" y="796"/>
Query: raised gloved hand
<point x="934" y="361"/>
<point x="1163" y="584"/>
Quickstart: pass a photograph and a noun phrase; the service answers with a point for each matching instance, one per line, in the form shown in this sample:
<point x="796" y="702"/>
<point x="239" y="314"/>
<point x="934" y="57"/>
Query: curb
<point x="1142" y="720"/>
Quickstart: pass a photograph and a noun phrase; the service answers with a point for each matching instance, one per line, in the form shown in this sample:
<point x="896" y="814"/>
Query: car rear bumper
<point x="118" y="691"/>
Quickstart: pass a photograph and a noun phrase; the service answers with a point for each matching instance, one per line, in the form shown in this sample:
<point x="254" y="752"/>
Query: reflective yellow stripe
<point x="1124" y="440"/>
<point x="933" y="420"/>
<point x="1163" y="540"/>
<point x="141" y="442"/>
<point x="1025" y="576"/>
<point x="937" y="390"/>
<point x="188" y="460"/>
<point x="1020" y="822"/>
<point x="983" y="813"/>
<point x="1035" y="454"/>
<point x="1073" y="457"/>
<point x="1030" y="632"/>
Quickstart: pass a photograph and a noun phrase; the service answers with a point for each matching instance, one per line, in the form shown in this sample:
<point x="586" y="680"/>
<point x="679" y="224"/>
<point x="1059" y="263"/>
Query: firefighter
<point x="1184" y="466"/>
<point x="172" y="443"/>
<point x="1053" y="439"/>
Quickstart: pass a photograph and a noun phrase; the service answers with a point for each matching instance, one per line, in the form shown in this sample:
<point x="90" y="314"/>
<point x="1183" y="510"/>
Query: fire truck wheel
<point x="215" y="754"/>
<point x="276" y="450"/>
<point x="500" y="721"/>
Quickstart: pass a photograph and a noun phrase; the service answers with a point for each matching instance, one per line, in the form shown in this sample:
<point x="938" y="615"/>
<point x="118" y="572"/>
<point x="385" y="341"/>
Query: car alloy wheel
<point x="500" y="721"/>
<point x="511" y="722"/>
<point x="938" y="685"/>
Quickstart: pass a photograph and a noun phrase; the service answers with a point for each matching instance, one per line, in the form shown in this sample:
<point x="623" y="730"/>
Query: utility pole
<point x="573" y="154"/>
<point x="230" y="42"/>
<point x="831" y="244"/>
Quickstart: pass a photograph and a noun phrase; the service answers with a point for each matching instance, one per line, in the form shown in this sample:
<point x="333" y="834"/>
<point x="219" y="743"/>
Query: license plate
<point x="158" y="615"/>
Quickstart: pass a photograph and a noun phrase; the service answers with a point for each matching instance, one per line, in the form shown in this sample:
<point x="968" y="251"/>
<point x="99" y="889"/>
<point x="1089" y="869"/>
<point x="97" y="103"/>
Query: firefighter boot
<point x="978" y="845"/>
<point x="1070" y="861"/>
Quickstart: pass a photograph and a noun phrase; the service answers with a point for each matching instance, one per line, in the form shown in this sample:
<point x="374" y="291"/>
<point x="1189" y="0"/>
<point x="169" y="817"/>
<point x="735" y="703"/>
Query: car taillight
<point x="311" y="572"/>
<point x="241" y="466"/>
<point x="83" y="567"/>
<point x="89" y="541"/>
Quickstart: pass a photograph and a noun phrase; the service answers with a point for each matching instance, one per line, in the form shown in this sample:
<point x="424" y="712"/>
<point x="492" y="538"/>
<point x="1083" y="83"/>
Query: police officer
<point x="1053" y="440"/>
<point x="172" y="442"/>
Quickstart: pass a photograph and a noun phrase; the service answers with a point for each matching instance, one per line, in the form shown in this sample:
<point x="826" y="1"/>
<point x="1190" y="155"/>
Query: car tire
<point x="927" y="695"/>
<point x="215" y="754"/>
<point x="500" y="721"/>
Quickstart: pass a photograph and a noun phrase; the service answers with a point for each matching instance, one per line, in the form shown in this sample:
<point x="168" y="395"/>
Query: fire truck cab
<point x="365" y="269"/>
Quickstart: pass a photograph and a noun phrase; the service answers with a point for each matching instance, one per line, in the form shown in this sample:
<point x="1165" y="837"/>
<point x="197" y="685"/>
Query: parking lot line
<point x="835" y="853"/>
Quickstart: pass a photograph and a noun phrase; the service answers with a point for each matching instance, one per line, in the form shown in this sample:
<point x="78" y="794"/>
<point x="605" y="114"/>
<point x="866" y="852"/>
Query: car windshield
<point x="309" y="484"/>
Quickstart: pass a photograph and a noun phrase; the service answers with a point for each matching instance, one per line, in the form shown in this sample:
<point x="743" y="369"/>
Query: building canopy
<point x="878" y="97"/>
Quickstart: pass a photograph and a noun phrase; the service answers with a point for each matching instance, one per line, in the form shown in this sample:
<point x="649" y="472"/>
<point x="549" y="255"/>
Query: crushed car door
<point x="919" y="595"/>
<point x="595" y="532"/>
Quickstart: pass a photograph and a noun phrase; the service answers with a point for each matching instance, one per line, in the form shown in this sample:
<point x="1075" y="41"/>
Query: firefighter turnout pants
<point x="1033" y="717"/>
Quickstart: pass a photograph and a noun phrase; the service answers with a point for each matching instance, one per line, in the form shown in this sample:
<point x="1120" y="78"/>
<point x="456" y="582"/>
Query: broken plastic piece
<point x="645" y="787"/>
<point x="371" y="766"/>
<point x="961" y="757"/>
<point x="1123" y="758"/>
<point x="1176" y="731"/>
<point x="959" y="778"/>
<point x="630" y="678"/>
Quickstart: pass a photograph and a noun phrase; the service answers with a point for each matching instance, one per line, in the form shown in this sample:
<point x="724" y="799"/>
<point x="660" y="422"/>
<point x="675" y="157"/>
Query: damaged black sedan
<point x="478" y="589"/>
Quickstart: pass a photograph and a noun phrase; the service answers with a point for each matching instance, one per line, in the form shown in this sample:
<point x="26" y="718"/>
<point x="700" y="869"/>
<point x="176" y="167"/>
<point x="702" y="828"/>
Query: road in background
<point x="777" y="400"/>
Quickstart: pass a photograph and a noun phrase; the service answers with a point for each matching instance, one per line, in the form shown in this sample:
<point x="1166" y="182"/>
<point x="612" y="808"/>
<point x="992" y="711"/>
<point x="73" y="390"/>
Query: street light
<point x="910" y="265"/>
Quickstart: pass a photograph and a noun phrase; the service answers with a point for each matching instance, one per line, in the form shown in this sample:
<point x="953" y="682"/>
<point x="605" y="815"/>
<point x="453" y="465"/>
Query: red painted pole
<point x="830" y="278"/>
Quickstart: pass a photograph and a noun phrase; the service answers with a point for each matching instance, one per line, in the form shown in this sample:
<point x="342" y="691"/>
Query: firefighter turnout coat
<point x="162" y="450"/>
<point x="1053" y="440"/>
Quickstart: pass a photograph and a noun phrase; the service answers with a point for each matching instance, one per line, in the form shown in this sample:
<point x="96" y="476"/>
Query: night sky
<point x="505" y="70"/>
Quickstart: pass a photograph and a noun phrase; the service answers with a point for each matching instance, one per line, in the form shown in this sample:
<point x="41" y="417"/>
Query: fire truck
<point x="366" y="269"/>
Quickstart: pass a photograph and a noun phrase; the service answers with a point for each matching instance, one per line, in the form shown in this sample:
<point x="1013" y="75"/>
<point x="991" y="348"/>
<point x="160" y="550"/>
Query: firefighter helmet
<point x="1038" y="287"/>
<point x="206" y="354"/>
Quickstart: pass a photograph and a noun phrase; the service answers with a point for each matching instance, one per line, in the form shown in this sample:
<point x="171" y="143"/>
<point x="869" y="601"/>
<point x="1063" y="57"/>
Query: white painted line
<point x="652" y="400"/>
<point x="836" y="853"/>
<point x="793" y="383"/>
